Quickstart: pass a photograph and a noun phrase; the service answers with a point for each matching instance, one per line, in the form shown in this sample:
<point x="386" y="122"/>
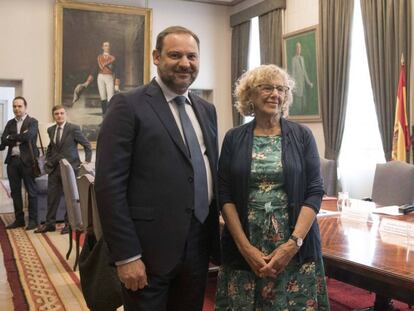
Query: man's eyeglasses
<point x="267" y="89"/>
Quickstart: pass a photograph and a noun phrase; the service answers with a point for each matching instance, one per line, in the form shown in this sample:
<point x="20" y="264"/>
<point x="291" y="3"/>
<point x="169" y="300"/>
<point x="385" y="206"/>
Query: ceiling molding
<point x="218" y="2"/>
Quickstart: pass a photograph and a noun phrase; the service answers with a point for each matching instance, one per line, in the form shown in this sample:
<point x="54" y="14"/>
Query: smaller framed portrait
<point x="300" y="60"/>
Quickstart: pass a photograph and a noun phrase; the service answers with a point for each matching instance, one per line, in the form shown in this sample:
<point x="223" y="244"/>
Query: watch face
<point x="298" y="241"/>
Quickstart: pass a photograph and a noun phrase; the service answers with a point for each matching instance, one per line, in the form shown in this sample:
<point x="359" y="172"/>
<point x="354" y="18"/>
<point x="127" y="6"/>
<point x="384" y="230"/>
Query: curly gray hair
<point x="245" y="87"/>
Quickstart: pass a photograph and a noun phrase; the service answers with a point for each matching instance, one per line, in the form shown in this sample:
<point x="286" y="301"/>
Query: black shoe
<point x="65" y="229"/>
<point x="15" y="224"/>
<point x="45" y="228"/>
<point x="32" y="225"/>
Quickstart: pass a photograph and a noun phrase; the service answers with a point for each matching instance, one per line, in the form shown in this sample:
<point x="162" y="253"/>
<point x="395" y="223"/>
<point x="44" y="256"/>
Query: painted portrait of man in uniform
<point x="105" y="50"/>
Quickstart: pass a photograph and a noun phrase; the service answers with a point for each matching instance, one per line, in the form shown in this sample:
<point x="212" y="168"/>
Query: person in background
<point x="155" y="172"/>
<point x="20" y="136"/>
<point x="270" y="191"/>
<point x="64" y="140"/>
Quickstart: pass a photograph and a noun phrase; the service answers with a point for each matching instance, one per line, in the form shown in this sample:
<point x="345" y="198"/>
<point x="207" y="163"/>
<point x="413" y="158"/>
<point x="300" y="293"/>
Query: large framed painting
<point x="300" y="60"/>
<point x="99" y="50"/>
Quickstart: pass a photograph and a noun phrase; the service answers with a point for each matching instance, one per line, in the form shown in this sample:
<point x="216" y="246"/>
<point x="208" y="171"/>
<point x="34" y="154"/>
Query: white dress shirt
<point x="19" y="122"/>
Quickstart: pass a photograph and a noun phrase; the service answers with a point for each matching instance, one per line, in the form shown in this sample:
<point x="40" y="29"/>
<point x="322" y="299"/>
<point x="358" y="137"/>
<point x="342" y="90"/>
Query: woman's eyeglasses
<point x="268" y="89"/>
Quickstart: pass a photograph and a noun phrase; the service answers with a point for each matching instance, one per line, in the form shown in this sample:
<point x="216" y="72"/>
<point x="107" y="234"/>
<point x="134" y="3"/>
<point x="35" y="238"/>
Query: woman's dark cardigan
<point x="302" y="183"/>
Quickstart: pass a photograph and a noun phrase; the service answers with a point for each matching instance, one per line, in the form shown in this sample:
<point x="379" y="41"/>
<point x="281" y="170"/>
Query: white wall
<point x="27" y="49"/>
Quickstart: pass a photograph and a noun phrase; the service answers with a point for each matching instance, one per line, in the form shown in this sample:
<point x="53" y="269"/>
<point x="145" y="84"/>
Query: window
<point x="361" y="146"/>
<point x="254" y="50"/>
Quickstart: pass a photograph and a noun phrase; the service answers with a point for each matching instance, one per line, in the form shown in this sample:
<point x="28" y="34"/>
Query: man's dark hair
<point x="57" y="107"/>
<point x="22" y="98"/>
<point x="172" y="30"/>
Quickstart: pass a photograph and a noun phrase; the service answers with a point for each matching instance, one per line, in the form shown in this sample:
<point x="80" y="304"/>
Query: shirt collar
<point x="61" y="126"/>
<point x="22" y="119"/>
<point x="168" y="94"/>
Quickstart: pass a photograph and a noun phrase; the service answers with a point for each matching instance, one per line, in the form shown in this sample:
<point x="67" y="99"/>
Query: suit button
<point x="188" y="210"/>
<point x="190" y="180"/>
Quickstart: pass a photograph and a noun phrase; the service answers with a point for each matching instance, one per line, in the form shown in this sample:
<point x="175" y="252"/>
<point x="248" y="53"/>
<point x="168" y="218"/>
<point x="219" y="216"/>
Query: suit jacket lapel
<point x="159" y="104"/>
<point x="201" y="117"/>
<point x="52" y="135"/>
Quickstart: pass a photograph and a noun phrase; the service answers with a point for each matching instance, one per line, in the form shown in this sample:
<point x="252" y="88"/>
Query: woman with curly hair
<point x="270" y="191"/>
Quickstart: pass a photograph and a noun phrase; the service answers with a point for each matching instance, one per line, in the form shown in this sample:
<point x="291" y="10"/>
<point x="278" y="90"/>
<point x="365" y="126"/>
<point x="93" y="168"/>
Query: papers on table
<point x="324" y="212"/>
<point x="391" y="210"/>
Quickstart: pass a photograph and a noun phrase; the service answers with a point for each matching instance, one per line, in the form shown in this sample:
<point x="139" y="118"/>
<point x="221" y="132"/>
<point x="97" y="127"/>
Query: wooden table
<point x="357" y="253"/>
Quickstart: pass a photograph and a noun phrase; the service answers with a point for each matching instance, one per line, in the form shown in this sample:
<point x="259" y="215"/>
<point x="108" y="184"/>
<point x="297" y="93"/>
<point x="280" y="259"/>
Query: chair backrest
<point x="328" y="173"/>
<point x="393" y="183"/>
<point x="70" y="191"/>
<point x="87" y="201"/>
<point x="86" y="168"/>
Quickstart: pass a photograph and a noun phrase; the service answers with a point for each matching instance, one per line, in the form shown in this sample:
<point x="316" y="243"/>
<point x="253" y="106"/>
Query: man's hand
<point x="116" y="87"/>
<point x="133" y="275"/>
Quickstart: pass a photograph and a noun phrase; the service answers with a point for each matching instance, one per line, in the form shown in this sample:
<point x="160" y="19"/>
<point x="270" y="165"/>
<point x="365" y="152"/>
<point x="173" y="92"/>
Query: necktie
<point x="197" y="161"/>
<point x="59" y="129"/>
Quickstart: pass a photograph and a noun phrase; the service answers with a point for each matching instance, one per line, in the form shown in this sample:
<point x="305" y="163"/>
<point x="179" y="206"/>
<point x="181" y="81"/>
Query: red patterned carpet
<point x="39" y="276"/>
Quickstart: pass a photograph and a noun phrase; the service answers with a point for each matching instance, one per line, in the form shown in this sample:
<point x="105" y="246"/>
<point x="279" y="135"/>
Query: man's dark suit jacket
<point x="67" y="148"/>
<point x="27" y="139"/>
<point x="144" y="178"/>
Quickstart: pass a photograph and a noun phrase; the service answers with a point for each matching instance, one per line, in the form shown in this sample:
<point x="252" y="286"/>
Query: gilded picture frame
<point x="100" y="49"/>
<point x="300" y="60"/>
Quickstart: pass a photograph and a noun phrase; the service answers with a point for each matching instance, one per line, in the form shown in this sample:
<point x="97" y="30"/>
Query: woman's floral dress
<point x="299" y="287"/>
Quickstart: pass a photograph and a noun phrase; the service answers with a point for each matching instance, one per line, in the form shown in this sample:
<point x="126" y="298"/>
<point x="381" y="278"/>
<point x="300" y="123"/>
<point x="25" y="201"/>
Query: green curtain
<point x="270" y="30"/>
<point x="239" y="56"/>
<point x="335" y="20"/>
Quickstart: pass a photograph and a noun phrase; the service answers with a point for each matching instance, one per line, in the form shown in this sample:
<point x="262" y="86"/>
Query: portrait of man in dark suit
<point x="64" y="140"/>
<point x="19" y="136"/>
<point x="156" y="182"/>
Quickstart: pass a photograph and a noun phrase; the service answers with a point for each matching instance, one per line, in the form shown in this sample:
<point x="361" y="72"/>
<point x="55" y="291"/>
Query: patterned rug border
<point x="19" y="298"/>
<point x="39" y="271"/>
<point x="63" y="261"/>
<point x="39" y="289"/>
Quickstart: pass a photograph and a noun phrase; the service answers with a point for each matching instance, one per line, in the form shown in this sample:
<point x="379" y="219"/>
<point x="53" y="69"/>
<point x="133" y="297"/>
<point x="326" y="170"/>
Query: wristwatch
<point x="298" y="241"/>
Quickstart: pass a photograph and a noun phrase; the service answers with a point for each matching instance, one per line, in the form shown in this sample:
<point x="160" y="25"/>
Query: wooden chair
<point x="70" y="191"/>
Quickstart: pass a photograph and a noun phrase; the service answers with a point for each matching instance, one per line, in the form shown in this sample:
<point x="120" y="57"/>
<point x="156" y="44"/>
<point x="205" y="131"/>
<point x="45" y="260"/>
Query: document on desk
<point x="324" y="212"/>
<point x="391" y="210"/>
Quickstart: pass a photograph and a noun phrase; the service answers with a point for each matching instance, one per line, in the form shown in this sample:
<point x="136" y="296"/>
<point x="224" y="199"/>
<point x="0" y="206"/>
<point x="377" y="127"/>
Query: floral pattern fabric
<point x="299" y="287"/>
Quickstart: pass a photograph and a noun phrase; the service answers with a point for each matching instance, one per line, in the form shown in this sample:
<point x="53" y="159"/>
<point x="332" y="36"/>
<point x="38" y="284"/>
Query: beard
<point x="174" y="82"/>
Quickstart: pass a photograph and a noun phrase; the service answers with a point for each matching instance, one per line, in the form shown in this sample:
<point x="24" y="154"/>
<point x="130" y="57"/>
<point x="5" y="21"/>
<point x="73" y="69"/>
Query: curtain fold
<point x="270" y="32"/>
<point x="387" y="29"/>
<point x="239" y="57"/>
<point x="335" y="20"/>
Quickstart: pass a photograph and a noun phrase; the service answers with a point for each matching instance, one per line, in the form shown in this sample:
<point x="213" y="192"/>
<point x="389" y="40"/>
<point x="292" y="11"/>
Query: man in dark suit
<point x="20" y="136"/>
<point x="155" y="182"/>
<point x="64" y="139"/>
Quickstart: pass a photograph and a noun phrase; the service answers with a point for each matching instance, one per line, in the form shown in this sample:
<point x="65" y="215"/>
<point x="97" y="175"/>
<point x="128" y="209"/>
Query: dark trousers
<point x="54" y="195"/>
<point x="18" y="171"/>
<point x="183" y="288"/>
